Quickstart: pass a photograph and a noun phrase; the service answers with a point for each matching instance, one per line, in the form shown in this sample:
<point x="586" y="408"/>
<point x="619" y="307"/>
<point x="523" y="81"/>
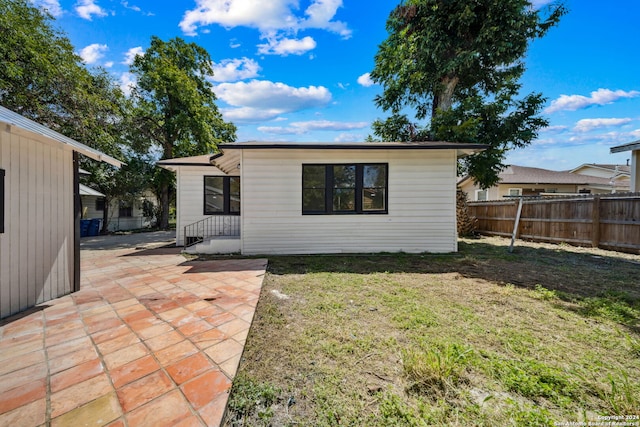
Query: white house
<point x="39" y="212"/>
<point x="634" y="147"/>
<point x="527" y="181"/>
<point x="303" y="198"/>
<point x="122" y="215"/>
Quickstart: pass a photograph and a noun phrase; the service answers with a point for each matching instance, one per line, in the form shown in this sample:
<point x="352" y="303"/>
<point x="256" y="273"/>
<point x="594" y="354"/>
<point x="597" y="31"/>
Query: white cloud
<point x="108" y="64"/>
<point x="320" y="14"/>
<point x="266" y="16"/>
<point x="51" y="6"/>
<point x="86" y="9"/>
<point x="284" y="46"/>
<point x="554" y="129"/>
<point x="127" y="83"/>
<point x="365" y="80"/>
<point x="92" y="53"/>
<point x="126" y="5"/>
<point x="586" y="125"/>
<point x="599" y="97"/>
<point x="299" y="128"/>
<point x="130" y="55"/>
<point x="262" y="100"/>
<point x="349" y="137"/>
<point x="231" y="70"/>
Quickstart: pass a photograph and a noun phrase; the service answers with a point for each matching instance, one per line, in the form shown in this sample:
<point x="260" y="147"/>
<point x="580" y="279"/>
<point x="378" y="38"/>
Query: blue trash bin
<point x="94" y="227"/>
<point x="84" y="227"/>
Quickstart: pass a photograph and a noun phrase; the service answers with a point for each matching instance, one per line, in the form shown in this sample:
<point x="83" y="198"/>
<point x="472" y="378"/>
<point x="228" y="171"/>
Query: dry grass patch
<point x="483" y="337"/>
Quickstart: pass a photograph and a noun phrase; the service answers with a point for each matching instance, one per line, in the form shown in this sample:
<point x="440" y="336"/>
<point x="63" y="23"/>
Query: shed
<point x="634" y="147"/>
<point x="309" y="198"/>
<point x="39" y="212"/>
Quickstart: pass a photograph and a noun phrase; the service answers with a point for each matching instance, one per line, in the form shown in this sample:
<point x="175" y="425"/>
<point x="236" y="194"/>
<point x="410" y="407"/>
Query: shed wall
<point x="37" y="246"/>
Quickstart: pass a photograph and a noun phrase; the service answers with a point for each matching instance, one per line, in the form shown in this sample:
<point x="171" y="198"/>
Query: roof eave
<point x="632" y="146"/>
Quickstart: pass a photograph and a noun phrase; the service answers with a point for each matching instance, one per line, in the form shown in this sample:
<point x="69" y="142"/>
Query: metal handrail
<point x="211" y="227"/>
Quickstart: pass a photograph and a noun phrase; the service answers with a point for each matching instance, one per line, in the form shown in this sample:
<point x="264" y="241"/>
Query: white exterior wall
<point x="190" y="197"/>
<point x="37" y="247"/>
<point x="421" y="204"/>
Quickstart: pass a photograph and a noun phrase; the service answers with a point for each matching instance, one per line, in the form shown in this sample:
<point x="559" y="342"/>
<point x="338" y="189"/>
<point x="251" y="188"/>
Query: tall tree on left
<point x="175" y="108"/>
<point x="43" y="79"/>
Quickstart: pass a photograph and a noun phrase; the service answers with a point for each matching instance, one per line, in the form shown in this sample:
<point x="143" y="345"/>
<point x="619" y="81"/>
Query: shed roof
<point x="88" y="191"/>
<point x="14" y="119"/>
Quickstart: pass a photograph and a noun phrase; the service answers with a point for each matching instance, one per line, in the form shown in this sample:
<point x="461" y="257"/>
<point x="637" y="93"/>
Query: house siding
<point x="37" y="246"/>
<point x="421" y="204"/>
<point x="190" y="197"/>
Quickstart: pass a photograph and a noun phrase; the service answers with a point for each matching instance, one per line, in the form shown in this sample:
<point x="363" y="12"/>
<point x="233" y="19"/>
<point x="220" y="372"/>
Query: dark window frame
<point x="226" y="194"/>
<point x="2" y="173"/>
<point x="99" y="203"/>
<point x="125" y="209"/>
<point x="329" y="187"/>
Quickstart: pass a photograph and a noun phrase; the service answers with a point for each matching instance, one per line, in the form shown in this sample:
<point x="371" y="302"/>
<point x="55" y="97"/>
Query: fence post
<point x="595" y="222"/>
<point x="516" y="225"/>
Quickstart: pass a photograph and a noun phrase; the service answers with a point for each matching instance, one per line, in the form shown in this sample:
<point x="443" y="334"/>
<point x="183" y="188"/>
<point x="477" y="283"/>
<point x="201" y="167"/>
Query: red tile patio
<point x="151" y="339"/>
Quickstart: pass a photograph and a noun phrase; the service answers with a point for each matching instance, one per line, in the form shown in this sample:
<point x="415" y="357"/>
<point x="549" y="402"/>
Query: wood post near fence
<point x="609" y="221"/>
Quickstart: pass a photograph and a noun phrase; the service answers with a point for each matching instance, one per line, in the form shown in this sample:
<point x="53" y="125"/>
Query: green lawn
<point x="548" y="334"/>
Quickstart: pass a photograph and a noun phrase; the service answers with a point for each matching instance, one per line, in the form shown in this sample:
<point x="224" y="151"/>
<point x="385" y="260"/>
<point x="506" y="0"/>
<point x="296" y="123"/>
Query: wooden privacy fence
<point x="608" y="221"/>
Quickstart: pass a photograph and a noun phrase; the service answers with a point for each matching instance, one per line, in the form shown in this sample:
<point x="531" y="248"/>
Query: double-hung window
<point x="344" y="188"/>
<point x="222" y="195"/>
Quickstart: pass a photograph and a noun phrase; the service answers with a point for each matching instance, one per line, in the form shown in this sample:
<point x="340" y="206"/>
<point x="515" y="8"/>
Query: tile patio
<point x="150" y="340"/>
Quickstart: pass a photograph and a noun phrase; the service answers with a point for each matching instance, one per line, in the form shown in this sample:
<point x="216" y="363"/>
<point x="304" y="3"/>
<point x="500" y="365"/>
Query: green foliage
<point x="251" y="402"/>
<point x="623" y="396"/>
<point x="616" y="306"/>
<point x="435" y="369"/>
<point x="457" y="65"/>
<point x="175" y="108"/>
<point x="530" y="416"/>
<point x="395" y="412"/>
<point x="534" y="379"/>
<point x="540" y="292"/>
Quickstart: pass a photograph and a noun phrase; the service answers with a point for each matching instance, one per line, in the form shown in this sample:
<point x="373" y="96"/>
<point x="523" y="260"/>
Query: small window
<point x="344" y="189"/>
<point x="482" y="195"/>
<point x="100" y="204"/>
<point x="515" y="192"/>
<point x="1" y="200"/>
<point x="222" y="195"/>
<point x="125" y="209"/>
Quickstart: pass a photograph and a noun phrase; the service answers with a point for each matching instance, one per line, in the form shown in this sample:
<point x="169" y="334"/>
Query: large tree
<point x="42" y="78"/>
<point x="175" y="108"/>
<point x="455" y="66"/>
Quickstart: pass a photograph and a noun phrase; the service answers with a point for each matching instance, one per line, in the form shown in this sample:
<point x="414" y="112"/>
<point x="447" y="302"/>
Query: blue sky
<point x="296" y="70"/>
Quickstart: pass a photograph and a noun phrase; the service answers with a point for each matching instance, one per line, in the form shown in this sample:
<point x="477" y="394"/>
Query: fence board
<point x="605" y="221"/>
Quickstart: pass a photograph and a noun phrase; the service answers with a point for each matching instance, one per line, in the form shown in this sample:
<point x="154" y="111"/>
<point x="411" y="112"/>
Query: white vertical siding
<point x="190" y="199"/>
<point x="36" y="249"/>
<point x="421" y="213"/>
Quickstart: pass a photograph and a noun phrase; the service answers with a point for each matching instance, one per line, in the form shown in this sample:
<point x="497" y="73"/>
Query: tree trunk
<point x="105" y="217"/>
<point x="444" y="98"/>
<point x="163" y="221"/>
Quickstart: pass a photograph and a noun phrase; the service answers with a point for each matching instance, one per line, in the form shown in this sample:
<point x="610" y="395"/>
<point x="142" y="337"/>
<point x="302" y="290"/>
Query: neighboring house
<point x="618" y="175"/>
<point x="526" y="181"/>
<point x="634" y="173"/>
<point x="39" y="212"/>
<point x="123" y="215"/>
<point x="304" y="198"/>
